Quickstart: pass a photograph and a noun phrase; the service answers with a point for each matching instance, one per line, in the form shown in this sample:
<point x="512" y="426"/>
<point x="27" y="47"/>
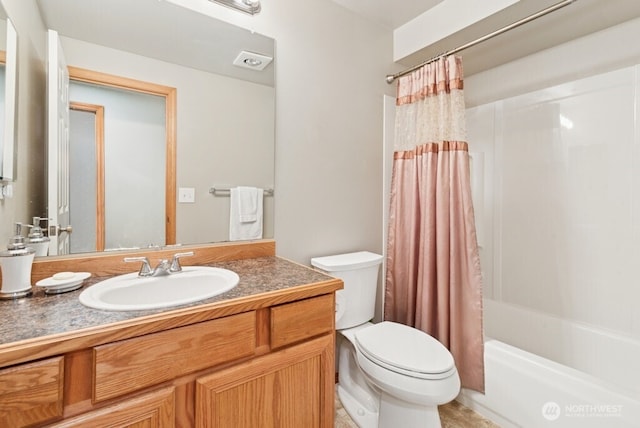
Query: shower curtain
<point x="433" y="279"/>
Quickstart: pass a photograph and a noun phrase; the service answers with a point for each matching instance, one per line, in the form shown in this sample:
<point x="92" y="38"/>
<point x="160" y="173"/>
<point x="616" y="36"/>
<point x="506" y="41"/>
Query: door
<point x="135" y="165"/>
<point x="292" y="387"/>
<point x="58" y="143"/>
<point x="86" y="168"/>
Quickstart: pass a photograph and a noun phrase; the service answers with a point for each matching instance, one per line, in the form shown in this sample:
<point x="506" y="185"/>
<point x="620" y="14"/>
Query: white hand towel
<point x="247" y="204"/>
<point x="245" y="215"/>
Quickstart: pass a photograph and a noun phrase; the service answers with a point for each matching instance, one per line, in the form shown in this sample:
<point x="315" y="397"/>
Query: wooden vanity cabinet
<point x="270" y="366"/>
<point x="291" y="387"/>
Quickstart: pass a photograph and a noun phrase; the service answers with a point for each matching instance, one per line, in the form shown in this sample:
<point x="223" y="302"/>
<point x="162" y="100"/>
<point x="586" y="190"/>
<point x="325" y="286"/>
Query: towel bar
<point x="225" y="191"/>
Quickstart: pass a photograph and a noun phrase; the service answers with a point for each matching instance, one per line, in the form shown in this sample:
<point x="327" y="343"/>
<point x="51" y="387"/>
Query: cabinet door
<point x="153" y="410"/>
<point x="31" y="393"/>
<point x="289" y="388"/>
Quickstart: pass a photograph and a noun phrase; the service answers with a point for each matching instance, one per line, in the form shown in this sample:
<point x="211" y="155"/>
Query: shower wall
<point x="556" y="168"/>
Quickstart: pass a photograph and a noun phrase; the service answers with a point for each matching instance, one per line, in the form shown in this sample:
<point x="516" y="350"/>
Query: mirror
<point x="8" y="85"/>
<point x="225" y="114"/>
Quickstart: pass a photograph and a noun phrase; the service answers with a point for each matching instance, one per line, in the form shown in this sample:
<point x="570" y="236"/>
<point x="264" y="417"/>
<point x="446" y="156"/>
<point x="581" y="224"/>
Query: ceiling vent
<point x="252" y="60"/>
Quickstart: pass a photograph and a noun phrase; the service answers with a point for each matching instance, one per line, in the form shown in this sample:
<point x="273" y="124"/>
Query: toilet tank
<point x="355" y="304"/>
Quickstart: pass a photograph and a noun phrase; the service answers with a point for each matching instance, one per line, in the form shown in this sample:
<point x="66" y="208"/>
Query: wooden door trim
<point x="98" y="111"/>
<point x="170" y="95"/>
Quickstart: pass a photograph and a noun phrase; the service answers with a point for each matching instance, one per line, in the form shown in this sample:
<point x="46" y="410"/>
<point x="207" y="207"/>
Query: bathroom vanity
<point x="261" y="354"/>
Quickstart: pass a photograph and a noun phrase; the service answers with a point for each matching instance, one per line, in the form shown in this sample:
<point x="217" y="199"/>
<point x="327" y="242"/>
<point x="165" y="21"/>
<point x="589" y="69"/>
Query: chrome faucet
<point x="175" y="261"/>
<point x="164" y="267"/>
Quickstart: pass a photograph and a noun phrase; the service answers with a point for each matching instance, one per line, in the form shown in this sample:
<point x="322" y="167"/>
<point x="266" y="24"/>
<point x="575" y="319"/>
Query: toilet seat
<point x="405" y="350"/>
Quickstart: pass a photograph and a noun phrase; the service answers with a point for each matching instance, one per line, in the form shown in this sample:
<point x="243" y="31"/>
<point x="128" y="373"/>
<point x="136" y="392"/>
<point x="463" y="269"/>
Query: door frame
<point x="98" y="112"/>
<point x="170" y="96"/>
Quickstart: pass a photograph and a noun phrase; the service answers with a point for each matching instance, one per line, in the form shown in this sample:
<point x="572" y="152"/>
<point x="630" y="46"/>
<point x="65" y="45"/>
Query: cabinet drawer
<point x="293" y="322"/>
<point x="31" y="393"/>
<point x="133" y="364"/>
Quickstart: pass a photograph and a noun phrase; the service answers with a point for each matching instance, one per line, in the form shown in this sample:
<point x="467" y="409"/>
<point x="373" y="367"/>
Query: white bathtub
<point x="525" y="390"/>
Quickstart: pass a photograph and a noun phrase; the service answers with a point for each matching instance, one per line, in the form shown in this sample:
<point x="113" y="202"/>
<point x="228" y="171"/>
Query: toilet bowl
<point x="403" y="371"/>
<point x="389" y="374"/>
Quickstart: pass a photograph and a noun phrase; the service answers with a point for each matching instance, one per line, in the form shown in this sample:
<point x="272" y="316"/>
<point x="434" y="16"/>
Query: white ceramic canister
<point x="15" y="264"/>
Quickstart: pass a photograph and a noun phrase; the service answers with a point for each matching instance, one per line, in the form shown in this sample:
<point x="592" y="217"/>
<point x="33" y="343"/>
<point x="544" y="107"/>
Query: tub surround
<point x="278" y="323"/>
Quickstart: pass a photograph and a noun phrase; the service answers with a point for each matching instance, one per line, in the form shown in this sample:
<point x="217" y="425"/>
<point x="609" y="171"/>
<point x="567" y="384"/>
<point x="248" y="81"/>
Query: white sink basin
<point x="130" y="292"/>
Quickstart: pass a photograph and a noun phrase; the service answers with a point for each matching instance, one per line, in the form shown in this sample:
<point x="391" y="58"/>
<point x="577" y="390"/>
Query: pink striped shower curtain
<point x="433" y="279"/>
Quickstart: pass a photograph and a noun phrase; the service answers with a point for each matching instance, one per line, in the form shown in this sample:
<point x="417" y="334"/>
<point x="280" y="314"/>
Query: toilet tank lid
<point x="348" y="261"/>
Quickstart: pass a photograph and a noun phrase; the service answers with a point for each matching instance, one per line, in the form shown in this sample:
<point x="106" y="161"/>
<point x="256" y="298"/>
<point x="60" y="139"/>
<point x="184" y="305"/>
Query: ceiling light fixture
<point x="247" y="6"/>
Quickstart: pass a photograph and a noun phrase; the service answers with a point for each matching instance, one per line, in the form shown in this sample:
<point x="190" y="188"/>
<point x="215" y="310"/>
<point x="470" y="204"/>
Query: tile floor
<point x="452" y="415"/>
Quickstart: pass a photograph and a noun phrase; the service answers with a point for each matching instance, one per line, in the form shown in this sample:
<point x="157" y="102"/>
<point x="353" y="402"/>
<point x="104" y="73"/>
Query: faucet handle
<point x="145" y="269"/>
<point x="175" y="262"/>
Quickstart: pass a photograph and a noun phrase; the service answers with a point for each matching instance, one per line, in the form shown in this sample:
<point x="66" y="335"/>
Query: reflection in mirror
<point x="8" y="84"/>
<point x="132" y="166"/>
<point x="3" y="55"/>
<point x="225" y="113"/>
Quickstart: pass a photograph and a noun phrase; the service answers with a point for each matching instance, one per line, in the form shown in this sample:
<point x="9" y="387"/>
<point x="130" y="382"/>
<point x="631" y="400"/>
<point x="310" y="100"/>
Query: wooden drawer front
<point x="293" y="322"/>
<point x="153" y="410"/>
<point x="31" y="393"/>
<point x="133" y="364"/>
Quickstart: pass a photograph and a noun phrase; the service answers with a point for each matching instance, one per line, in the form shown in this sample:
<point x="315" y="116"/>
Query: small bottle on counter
<point x="15" y="264"/>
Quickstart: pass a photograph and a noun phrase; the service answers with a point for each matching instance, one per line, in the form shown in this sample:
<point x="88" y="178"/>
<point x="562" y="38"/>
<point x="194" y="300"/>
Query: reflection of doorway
<point x="86" y="159"/>
<point x="126" y="177"/>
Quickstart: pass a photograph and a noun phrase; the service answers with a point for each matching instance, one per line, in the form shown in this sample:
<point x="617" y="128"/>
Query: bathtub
<point x="526" y="390"/>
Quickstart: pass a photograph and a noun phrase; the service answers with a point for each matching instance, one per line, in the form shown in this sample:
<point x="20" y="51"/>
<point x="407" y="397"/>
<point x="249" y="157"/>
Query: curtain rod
<point x="391" y="77"/>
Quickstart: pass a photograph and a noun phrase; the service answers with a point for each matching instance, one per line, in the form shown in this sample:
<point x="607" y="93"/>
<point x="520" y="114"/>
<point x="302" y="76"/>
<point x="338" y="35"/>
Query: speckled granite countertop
<point x="43" y="315"/>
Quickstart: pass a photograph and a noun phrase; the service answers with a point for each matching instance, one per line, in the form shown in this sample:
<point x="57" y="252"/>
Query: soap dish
<point x="68" y="282"/>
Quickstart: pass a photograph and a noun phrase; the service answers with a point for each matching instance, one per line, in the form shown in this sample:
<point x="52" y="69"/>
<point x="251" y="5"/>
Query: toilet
<point x="389" y="374"/>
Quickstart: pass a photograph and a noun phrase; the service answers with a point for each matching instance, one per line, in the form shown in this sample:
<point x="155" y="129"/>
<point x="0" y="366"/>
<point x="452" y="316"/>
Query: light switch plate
<point x="186" y="195"/>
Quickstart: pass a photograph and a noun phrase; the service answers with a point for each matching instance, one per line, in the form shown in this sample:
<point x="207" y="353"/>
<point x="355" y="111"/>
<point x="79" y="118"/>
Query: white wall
<point x="28" y="189"/>
<point x="411" y="37"/>
<point x="329" y="141"/>
<point x="3" y="46"/>
<point x="2" y="101"/>
<point x="562" y="192"/>
<point x="330" y="74"/>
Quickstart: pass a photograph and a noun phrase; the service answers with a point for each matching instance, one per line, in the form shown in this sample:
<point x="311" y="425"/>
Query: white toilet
<point x="390" y="375"/>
